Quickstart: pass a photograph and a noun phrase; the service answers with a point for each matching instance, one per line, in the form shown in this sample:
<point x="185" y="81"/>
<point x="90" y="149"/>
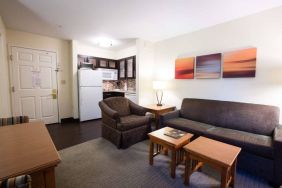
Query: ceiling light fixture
<point x="103" y="42"/>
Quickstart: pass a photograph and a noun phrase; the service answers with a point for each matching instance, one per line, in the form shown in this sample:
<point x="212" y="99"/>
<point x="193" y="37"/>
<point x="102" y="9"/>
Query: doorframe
<point x="9" y="47"/>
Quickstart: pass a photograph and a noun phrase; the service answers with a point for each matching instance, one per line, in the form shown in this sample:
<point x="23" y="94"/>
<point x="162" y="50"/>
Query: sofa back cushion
<point x="119" y="104"/>
<point x="253" y="118"/>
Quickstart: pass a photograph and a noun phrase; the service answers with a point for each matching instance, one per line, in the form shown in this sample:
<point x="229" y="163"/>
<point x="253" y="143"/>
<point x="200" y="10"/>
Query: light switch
<point x="63" y="82"/>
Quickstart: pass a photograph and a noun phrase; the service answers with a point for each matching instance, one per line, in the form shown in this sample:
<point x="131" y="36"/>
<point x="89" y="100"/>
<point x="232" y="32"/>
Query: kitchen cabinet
<point x="93" y="61"/>
<point x="127" y="68"/>
<point x="86" y="62"/>
<point x="130" y="67"/>
<point x="132" y="97"/>
<point x="121" y="69"/>
<point x="112" y="64"/>
<point x="103" y="63"/>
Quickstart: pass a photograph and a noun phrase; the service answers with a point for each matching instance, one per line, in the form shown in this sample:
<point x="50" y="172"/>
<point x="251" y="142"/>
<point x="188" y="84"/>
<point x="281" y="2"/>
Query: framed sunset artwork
<point x="240" y="63"/>
<point x="184" y="68"/>
<point x="208" y="66"/>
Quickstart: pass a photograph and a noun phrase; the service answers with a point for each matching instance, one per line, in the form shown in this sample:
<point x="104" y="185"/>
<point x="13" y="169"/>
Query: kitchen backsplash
<point x="110" y="85"/>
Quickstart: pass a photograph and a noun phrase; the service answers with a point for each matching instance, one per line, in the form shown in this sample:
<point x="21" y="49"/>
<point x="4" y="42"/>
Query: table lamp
<point x="159" y="86"/>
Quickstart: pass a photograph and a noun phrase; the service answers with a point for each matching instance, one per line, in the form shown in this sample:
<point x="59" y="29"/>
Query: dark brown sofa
<point x="255" y="128"/>
<point x="123" y="122"/>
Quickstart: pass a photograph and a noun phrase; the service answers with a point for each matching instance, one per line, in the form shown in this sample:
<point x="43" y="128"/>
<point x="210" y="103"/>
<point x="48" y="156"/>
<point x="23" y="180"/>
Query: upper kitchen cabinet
<point x="121" y="69"/>
<point x="112" y="64"/>
<point x="130" y="67"/>
<point x="93" y="61"/>
<point x="86" y="62"/>
<point x="103" y="63"/>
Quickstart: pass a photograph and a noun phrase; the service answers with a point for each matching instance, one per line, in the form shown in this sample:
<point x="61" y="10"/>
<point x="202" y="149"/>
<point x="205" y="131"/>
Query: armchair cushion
<point x="132" y="121"/>
<point x="23" y="181"/>
<point x="119" y="104"/>
<point x="14" y="120"/>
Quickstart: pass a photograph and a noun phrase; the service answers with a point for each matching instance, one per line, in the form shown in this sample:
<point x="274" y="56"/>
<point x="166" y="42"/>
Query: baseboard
<point x="69" y="120"/>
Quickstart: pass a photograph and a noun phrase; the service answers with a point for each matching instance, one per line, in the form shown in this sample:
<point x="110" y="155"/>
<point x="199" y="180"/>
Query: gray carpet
<point x="97" y="163"/>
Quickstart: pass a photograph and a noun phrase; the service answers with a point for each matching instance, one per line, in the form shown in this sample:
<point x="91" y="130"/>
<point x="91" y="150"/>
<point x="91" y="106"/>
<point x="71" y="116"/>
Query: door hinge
<point x="11" y="57"/>
<point x="13" y="89"/>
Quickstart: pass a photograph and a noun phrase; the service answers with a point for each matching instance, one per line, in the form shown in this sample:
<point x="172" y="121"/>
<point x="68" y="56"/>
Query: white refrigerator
<point x="90" y="93"/>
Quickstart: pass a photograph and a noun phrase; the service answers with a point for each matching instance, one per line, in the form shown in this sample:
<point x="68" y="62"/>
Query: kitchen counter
<point x="131" y="95"/>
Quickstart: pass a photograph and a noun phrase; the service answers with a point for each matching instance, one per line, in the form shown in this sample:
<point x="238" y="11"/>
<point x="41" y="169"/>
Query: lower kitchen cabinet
<point x="131" y="96"/>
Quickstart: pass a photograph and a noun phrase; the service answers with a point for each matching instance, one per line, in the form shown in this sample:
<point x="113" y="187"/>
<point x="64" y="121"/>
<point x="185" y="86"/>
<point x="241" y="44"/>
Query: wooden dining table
<point x="28" y="149"/>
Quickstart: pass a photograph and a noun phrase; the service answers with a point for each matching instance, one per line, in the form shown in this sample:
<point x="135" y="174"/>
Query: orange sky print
<point x="184" y="68"/>
<point x="241" y="63"/>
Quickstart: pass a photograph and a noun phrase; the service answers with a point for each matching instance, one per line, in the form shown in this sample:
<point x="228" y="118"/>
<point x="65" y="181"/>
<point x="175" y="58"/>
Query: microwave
<point x="109" y="74"/>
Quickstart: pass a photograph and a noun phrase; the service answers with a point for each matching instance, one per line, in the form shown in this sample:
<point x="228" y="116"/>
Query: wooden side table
<point x="174" y="145"/>
<point x="218" y="154"/>
<point x="158" y="111"/>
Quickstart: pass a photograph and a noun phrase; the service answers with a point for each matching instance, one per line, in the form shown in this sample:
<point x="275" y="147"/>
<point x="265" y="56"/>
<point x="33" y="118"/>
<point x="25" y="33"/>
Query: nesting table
<point x="174" y="145"/>
<point x="217" y="154"/>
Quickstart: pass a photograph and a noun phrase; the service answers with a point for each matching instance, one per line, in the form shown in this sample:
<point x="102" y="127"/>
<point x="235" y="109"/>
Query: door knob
<point x="54" y="96"/>
<point x="54" y="93"/>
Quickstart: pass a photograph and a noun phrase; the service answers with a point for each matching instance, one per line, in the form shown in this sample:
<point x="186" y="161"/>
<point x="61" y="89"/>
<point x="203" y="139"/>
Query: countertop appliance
<point x="90" y="93"/>
<point x="109" y="74"/>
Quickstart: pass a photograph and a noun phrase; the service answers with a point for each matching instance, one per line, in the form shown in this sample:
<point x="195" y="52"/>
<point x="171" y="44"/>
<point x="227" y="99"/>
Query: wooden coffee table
<point x="217" y="154"/>
<point x="174" y="145"/>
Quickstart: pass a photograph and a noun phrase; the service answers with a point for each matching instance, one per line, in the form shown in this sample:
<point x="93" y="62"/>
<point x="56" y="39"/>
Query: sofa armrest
<point x="108" y="111"/>
<point x="277" y="139"/>
<point x="278" y="134"/>
<point x="137" y="109"/>
<point x="169" y="115"/>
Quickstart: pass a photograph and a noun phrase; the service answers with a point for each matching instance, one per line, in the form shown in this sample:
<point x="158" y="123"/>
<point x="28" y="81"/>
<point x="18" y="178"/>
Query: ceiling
<point x="123" y="20"/>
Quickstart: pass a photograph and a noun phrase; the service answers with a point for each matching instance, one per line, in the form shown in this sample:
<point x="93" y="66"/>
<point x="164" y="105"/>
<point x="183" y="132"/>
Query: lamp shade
<point x="158" y="85"/>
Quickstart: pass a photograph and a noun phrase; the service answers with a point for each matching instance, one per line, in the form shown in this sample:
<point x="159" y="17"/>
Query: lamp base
<point x="159" y="104"/>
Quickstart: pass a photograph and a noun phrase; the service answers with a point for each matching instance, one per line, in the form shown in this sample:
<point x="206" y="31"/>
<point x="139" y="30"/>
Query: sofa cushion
<point x="119" y="104"/>
<point x="193" y="127"/>
<point x="132" y="121"/>
<point x="253" y="118"/>
<point x="253" y="143"/>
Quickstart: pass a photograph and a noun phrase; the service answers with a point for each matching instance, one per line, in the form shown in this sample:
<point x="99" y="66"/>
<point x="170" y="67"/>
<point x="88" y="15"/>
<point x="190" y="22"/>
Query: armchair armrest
<point x="169" y="115"/>
<point x="137" y="109"/>
<point x="277" y="143"/>
<point x="107" y="110"/>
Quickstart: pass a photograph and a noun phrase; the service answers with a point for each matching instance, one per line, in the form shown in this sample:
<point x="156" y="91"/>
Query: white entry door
<point x="34" y="84"/>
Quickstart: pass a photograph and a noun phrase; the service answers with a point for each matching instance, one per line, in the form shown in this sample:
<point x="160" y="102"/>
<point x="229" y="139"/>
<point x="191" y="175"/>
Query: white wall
<point x="5" y="102"/>
<point x="126" y="52"/>
<point x="262" y="30"/>
<point x="62" y="48"/>
<point x="145" y="71"/>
